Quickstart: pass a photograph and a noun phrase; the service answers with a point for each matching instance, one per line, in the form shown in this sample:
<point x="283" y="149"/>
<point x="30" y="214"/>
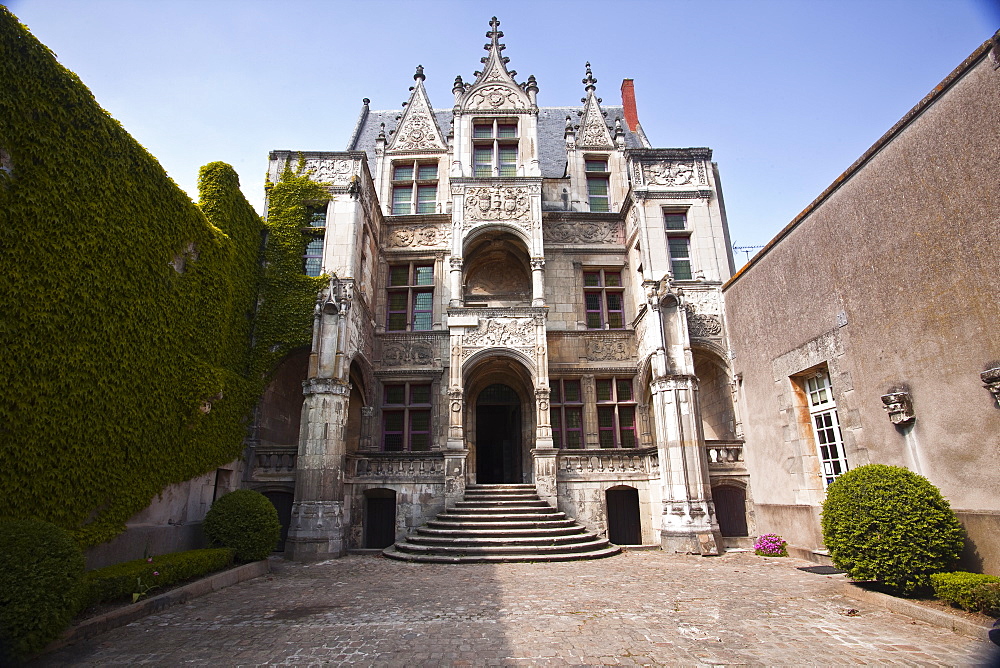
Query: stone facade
<point x="518" y="294"/>
<point x="870" y="320"/>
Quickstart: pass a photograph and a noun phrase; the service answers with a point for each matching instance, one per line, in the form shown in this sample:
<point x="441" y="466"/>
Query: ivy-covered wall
<point x="125" y="309"/>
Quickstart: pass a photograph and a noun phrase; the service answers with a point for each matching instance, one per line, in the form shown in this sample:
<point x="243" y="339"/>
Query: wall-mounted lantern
<point x="899" y="407"/>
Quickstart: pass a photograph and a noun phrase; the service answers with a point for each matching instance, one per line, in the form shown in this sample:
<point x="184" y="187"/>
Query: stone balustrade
<point x="407" y="465"/>
<point x="274" y="461"/>
<point x="722" y="453"/>
<point x="607" y="462"/>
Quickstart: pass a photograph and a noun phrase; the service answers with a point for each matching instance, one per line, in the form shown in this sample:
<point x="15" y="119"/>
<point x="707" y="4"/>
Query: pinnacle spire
<point x="419" y="74"/>
<point x="589" y="81"/>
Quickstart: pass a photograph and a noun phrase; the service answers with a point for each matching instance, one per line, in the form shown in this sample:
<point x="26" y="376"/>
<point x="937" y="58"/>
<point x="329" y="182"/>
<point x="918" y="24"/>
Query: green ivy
<point x="287" y="295"/>
<point x="126" y="360"/>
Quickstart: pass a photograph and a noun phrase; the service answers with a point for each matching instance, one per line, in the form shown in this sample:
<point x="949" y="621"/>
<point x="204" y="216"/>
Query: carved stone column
<point x="455" y="282"/>
<point x="538" y="281"/>
<point x="588" y="386"/>
<point x="688" y="511"/>
<point x="317" y="527"/>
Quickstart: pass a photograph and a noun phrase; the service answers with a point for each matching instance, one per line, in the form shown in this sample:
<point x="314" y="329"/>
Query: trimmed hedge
<point x="974" y="592"/>
<point x="41" y="570"/>
<point x="888" y="524"/>
<point x="121" y="581"/>
<point x="245" y="521"/>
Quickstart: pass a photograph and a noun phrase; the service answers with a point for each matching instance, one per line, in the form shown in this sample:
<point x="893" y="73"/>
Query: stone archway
<point x="499" y="420"/>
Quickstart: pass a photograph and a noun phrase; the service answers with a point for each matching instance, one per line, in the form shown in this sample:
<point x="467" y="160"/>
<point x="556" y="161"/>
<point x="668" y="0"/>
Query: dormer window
<point x="494" y="148"/>
<point x="598" y="181"/>
<point x="414" y="188"/>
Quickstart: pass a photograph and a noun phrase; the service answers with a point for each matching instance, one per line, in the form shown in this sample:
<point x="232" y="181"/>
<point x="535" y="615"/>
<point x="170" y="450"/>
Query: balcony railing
<point x="407" y="465"/>
<point x="643" y="462"/>
<point x="274" y="461"/>
<point x="725" y="454"/>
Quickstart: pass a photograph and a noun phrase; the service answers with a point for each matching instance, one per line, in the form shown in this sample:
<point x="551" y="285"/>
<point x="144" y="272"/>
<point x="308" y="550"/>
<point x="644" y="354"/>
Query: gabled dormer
<point x="496" y="128"/>
<point x="595" y="155"/>
<point x="415" y="157"/>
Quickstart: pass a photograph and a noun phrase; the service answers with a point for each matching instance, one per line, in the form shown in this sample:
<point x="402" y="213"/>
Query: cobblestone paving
<point x="639" y="608"/>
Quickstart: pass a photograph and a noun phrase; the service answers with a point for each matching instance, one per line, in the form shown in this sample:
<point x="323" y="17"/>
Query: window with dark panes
<point x="604" y="299"/>
<point x="414" y="188"/>
<point x="566" y="413"/>
<point x="494" y="148"/>
<point x="598" y="180"/>
<point x="410" y="297"/>
<point x="680" y="257"/>
<point x="615" y="413"/>
<point x="675" y="220"/>
<point x="313" y="257"/>
<point x="406" y="417"/>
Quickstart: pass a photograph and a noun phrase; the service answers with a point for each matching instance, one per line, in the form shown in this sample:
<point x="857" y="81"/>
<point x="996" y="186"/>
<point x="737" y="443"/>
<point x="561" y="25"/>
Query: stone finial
<point x="991" y="378"/>
<point x="589" y="82"/>
<point x="381" y="131"/>
<point x="494" y="32"/>
<point x="899" y="407"/>
<point x="532" y="84"/>
<point x="365" y="101"/>
<point x="459" y="85"/>
<point x="419" y="74"/>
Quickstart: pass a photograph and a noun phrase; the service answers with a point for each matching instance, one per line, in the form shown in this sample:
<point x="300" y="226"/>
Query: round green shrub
<point x="41" y="572"/>
<point x="245" y="521"/>
<point x="888" y="524"/>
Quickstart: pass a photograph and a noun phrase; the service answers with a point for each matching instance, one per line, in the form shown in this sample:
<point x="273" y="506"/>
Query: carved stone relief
<point x="408" y="352"/>
<point x="703" y="326"/>
<point x="417" y="133"/>
<point x="707" y="302"/>
<point x="330" y="171"/>
<point x="899" y="407"/>
<point x="594" y="133"/>
<point x="418" y="235"/>
<point x="497" y="203"/>
<point x="605" y="232"/>
<point x="670" y="173"/>
<point x="991" y="380"/>
<point x="507" y="332"/>
<point x="496" y="97"/>
<point x="500" y="274"/>
<point x="609" y="349"/>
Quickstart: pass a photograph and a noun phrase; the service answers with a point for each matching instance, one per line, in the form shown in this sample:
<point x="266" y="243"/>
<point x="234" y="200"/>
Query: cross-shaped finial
<point x="589" y="81"/>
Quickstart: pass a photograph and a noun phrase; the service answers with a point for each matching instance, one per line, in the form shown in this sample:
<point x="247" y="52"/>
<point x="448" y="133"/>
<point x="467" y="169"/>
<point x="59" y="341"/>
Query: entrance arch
<point x="498" y="435"/>
<point x="499" y="392"/>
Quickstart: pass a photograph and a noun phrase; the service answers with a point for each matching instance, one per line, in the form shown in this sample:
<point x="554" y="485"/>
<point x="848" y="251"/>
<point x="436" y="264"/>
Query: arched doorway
<point x="731" y="510"/>
<point x="624" y="527"/>
<point x="498" y="435"/>
<point x="380" y="518"/>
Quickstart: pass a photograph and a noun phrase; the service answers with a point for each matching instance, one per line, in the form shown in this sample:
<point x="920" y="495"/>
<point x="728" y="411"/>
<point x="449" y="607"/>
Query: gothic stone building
<point x="518" y="294"/>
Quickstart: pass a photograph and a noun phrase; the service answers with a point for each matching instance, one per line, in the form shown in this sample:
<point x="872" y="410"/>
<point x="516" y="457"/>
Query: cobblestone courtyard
<point x="639" y="608"/>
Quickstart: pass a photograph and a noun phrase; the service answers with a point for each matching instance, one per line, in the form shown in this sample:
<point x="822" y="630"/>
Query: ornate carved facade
<point x="515" y="300"/>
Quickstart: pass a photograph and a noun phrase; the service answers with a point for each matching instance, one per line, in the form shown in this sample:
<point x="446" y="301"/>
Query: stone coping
<point x="130" y="613"/>
<point x="941" y="618"/>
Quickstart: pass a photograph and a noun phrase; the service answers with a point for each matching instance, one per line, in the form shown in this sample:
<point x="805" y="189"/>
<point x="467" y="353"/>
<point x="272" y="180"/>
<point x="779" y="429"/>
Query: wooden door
<point x="731" y="510"/>
<point x="623" y="516"/>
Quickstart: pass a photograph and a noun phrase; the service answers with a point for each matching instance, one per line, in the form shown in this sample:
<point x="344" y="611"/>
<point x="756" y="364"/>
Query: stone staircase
<point x="501" y="523"/>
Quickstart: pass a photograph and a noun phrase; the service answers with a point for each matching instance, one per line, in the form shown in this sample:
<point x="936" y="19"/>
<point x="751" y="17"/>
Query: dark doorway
<point x="623" y="516"/>
<point x="282" y="502"/>
<point x="731" y="510"/>
<point x="380" y="518"/>
<point x="498" y="435"/>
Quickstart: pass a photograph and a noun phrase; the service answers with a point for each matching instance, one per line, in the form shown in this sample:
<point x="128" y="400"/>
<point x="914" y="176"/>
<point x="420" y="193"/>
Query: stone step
<point x="501" y="510"/>
<point x="499" y="524"/>
<point x="490" y="496"/>
<point x="392" y="553"/>
<point x="489" y="531"/>
<point x="476" y="540"/>
<point x="500" y="517"/>
<point x="502" y="503"/>
<point x="594" y="543"/>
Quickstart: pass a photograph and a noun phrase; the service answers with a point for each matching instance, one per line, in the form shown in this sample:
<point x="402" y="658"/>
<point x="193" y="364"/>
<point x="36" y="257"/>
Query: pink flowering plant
<point x="770" y="545"/>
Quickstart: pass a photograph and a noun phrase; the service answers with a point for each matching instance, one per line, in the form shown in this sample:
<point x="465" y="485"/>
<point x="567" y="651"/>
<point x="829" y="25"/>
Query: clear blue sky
<point x="788" y="94"/>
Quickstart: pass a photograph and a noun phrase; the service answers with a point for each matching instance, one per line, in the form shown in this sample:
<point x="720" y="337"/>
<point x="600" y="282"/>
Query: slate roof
<point x="551" y="128"/>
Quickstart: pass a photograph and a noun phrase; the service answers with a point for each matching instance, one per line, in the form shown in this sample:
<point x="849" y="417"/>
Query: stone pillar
<point x="455" y="282"/>
<point x="317" y="527"/>
<point x="544" y="464"/>
<point x="538" y="281"/>
<point x="688" y="510"/>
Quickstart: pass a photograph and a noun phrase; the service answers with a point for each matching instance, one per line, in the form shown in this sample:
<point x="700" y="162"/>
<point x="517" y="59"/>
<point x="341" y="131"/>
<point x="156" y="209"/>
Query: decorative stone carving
<point x="507" y="332"/>
<point x="594" y="132"/>
<point x="604" y="232"/>
<point x="498" y="274"/>
<point x="899" y="407"/>
<point x="608" y="348"/>
<point x="417" y="130"/>
<point x="542" y="398"/>
<point x="669" y="173"/>
<point x="537" y="263"/>
<point x="330" y="171"/>
<point x="418" y="235"/>
<point x="707" y="302"/>
<point x="408" y="352"/>
<point x="496" y="97"/>
<point x="497" y="203"/>
<point x="703" y="326"/>
<point x="991" y="377"/>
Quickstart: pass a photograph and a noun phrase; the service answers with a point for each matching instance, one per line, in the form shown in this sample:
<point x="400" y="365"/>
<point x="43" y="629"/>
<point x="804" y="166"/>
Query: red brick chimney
<point x="628" y="101"/>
